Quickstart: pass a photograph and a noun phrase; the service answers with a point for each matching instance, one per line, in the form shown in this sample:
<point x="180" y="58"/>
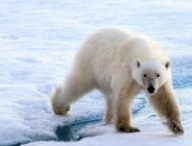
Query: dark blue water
<point x="70" y="132"/>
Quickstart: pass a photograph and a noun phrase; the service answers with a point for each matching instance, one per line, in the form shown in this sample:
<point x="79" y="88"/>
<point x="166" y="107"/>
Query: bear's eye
<point x="144" y="75"/>
<point x="157" y="75"/>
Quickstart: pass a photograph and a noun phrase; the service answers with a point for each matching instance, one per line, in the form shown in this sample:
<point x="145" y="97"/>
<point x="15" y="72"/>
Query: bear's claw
<point x="128" y="129"/>
<point x="175" y="127"/>
<point x="60" y="110"/>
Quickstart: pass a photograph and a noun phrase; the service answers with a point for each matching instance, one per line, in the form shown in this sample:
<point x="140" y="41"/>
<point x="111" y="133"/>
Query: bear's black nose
<point x="151" y="89"/>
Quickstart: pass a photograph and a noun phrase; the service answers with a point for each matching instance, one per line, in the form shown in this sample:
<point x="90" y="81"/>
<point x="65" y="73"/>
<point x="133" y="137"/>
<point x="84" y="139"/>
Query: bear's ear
<point x="167" y="64"/>
<point x="138" y="63"/>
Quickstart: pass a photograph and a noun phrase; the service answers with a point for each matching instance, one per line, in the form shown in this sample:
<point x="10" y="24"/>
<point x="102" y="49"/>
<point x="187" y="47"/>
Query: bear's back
<point x="112" y="50"/>
<point x="109" y="44"/>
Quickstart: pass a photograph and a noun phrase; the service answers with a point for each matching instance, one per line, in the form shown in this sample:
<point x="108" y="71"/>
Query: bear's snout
<point x="151" y="89"/>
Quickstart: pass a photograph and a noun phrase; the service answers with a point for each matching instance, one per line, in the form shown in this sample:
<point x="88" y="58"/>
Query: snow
<point x="38" y="40"/>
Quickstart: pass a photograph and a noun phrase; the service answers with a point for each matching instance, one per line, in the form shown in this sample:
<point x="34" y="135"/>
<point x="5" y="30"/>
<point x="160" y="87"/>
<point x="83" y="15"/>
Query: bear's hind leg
<point x="74" y="87"/>
<point x="165" y="103"/>
<point x="57" y="106"/>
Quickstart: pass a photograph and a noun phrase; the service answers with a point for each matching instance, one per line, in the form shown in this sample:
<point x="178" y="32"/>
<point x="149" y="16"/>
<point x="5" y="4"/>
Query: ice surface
<point x="153" y="133"/>
<point x="38" y="40"/>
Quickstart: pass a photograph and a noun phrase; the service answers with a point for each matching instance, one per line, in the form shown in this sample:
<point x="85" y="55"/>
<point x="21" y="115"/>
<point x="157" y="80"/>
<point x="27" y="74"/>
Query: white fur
<point x="151" y="69"/>
<point x="107" y="61"/>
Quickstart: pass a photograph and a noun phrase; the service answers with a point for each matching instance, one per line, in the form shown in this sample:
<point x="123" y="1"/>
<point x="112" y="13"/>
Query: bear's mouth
<point x="149" y="94"/>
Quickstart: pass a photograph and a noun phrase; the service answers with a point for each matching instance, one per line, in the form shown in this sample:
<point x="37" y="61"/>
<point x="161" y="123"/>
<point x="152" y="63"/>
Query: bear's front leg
<point x="175" y="126"/>
<point x="123" y="108"/>
<point x="165" y="103"/>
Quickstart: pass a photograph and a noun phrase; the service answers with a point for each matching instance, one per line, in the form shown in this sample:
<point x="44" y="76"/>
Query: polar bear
<point x="121" y="63"/>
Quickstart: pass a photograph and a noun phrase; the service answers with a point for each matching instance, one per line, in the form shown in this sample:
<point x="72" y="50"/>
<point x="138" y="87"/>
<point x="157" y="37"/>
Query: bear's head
<point x="151" y="75"/>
